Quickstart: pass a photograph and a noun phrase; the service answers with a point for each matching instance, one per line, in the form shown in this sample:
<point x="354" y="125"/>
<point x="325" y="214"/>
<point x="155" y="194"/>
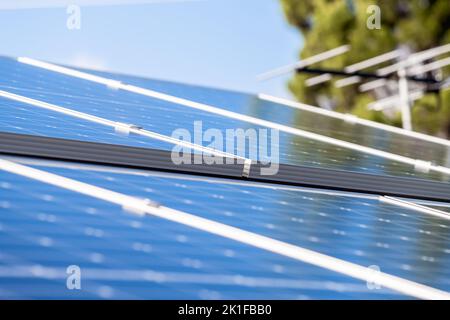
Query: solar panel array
<point x="162" y="117"/>
<point x="127" y="257"/>
<point x="46" y="228"/>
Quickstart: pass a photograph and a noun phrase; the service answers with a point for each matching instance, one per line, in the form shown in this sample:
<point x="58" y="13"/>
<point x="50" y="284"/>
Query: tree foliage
<point x="414" y="24"/>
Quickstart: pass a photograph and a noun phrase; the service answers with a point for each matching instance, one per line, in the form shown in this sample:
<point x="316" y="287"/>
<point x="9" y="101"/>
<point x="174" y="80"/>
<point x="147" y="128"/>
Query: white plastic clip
<point x="114" y="85"/>
<point x="247" y="167"/>
<point x="125" y="128"/>
<point x="422" y="166"/>
<point x="350" y="118"/>
<point x="139" y="208"/>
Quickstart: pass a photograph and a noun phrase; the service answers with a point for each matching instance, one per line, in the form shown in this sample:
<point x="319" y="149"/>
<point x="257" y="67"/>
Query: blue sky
<point x="219" y="43"/>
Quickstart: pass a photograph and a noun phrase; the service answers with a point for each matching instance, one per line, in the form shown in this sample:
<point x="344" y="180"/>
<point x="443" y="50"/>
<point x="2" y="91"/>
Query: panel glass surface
<point x="163" y="117"/>
<point x="21" y="118"/>
<point x="45" y="229"/>
<point x="251" y="105"/>
<point x="356" y="228"/>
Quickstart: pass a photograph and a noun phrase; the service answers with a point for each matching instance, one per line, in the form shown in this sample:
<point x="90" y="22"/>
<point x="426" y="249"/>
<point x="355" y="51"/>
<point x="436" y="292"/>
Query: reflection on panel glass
<point x="360" y="229"/>
<point x="45" y="230"/>
<point x="165" y="118"/>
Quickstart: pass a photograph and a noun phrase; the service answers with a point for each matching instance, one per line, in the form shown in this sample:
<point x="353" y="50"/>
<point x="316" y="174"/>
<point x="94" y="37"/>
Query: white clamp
<point x="422" y="166"/>
<point x="114" y="85"/>
<point x="247" y="167"/>
<point x="350" y="118"/>
<point x="125" y="128"/>
<point x="139" y="208"/>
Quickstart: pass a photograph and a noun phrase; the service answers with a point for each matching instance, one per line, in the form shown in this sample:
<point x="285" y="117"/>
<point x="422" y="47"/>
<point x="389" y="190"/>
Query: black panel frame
<point x="160" y="160"/>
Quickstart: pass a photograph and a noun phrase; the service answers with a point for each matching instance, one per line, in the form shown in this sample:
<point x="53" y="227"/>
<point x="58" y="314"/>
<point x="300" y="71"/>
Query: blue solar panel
<point x="250" y="104"/>
<point x="45" y="229"/>
<point x="164" y="117"/>
<point x="22" y="118"/>
<point x="358" y="229"/>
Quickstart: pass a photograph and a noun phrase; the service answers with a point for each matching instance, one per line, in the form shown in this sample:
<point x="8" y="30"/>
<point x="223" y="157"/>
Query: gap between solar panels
<point x="40" y="161"/>
<point x="152" y="208"/>
<point x="418" y="164"/>
<point x="48" y="163"/>
<point x="120" y="156"/>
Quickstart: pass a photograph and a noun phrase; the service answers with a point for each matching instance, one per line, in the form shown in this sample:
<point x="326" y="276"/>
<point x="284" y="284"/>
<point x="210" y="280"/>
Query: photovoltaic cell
<point x="163" y="117"/>
<point x="359" y="229"/>
<point x="45" y="229"/>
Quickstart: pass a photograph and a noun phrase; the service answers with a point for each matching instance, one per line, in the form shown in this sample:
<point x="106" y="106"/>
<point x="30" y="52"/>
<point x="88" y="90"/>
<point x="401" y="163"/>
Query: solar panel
<point x="44" y="229"/>
<point x="356" y="229"/>
<point x="346" y="205"/>
<point x="165" y="117"/>
<point x="25" y="119"/>
<point x="272" y="111"/>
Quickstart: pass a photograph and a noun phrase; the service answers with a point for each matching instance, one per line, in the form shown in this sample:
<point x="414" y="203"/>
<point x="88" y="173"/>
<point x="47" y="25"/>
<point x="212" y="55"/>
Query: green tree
<point x="415" y="24"/>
